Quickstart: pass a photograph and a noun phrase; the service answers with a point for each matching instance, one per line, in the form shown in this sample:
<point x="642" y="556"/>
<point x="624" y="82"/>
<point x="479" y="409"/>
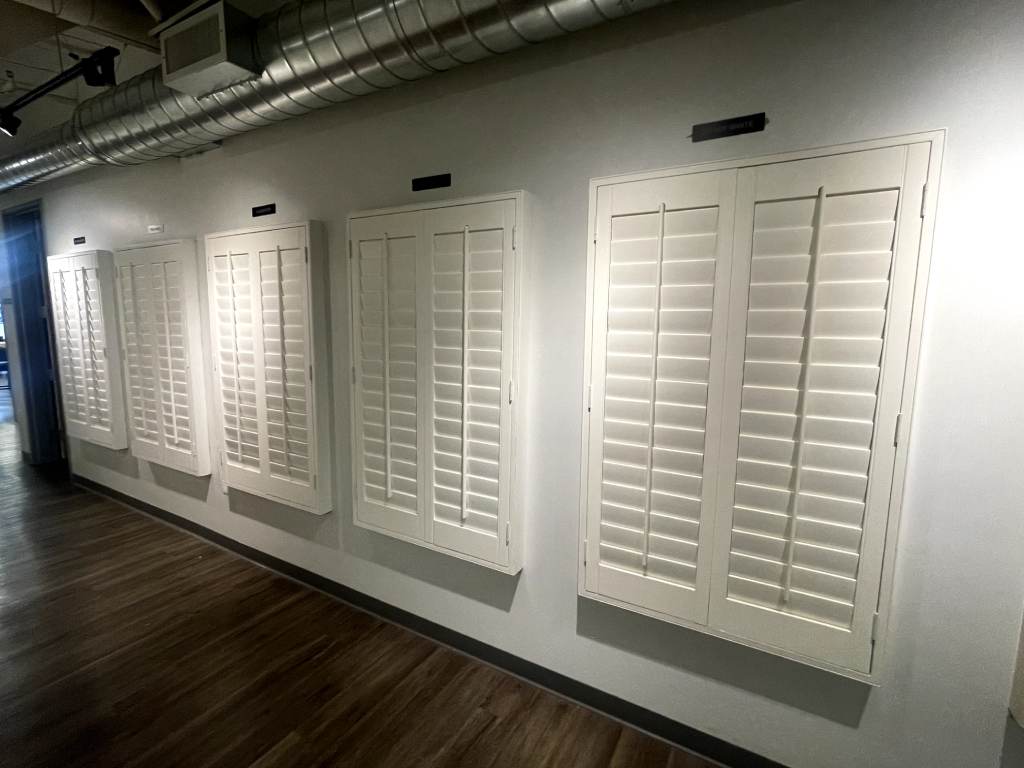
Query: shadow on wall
<point x="319" y="529"/>
<point x="120" y="461"/>
<point x="449" y="573"/>
<point x="788" y="682"/>
<point x="197" y="488"/>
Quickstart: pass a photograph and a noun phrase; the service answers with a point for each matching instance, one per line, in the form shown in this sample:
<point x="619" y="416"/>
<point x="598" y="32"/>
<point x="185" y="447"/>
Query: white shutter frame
<point x="503" y="550"/>
<point x="111" y="430"/>
<point x="314" y="493"/>
<point x="910" y="282"/>
<point x="195" y="461"/>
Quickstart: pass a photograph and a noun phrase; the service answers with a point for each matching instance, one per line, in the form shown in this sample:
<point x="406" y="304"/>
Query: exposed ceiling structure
<point x="40" y="38"/>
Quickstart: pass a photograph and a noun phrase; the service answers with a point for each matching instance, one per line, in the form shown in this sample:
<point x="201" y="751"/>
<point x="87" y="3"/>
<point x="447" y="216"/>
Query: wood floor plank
<point x="126" y="642"/>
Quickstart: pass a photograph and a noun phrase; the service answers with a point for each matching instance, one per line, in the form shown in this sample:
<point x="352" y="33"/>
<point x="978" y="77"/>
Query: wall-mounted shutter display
<point x="85" y="325"/>
<point x="267" y="306"/>
<point x="660" y="287"/>
<point x="160" y="330"/>
<point x="434" y="294"/>
<point x="814" y="281"/>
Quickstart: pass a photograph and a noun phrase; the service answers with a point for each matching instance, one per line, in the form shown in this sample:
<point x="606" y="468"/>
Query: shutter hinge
<point x="307" y="254"/>
<point x="314" y="482"/>
<point x="510" y="384"/>
<point x="924" y="200"/>
<point x="508" y="533"/>
<point x="310" y="372"/>
<point x="590" y="396"/>
<point x="350" y="249"/>
<point x="584" y="553"/>
<point x="353" y="374"/>
<point x="874" y="628"/>
<point x="513" y="237"/>
<point x="896" y="432"/>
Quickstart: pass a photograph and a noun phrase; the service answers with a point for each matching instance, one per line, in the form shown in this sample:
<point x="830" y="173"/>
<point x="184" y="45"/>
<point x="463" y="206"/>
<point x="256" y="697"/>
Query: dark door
<point x="26" y="310"/>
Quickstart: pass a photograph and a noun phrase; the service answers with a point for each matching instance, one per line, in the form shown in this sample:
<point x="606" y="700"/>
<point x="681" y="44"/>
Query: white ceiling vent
<point x="207" y="50"/>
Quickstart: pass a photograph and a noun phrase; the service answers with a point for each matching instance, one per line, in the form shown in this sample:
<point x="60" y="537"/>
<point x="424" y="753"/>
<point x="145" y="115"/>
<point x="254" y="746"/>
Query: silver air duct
<point x="314" y="53"/>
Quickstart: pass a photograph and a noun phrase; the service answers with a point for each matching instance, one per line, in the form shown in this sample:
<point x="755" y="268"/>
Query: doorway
<point x="28" y="394"/>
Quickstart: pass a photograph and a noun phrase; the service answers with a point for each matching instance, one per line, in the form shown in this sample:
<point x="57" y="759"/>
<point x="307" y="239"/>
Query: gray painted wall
<point x="622" y="99"/>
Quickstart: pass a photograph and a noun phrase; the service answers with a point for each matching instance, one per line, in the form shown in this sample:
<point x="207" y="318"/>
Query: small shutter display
<point x="267" y="309"/>
<point x="434" y="295"/>
<point x="384" y="250"/>
<point x="159" y="302"/>
<point x="818" y="303"/>
<point x="660" y="285"/>
<point x="745" y="390"/>
<point x="84" y="316"/>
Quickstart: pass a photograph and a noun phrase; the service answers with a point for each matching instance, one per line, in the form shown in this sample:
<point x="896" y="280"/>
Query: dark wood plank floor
<point x="126" y="642"/>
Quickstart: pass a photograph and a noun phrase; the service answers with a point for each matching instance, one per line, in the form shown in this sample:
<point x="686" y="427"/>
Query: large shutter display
<point x="267" y="305"/>
<point x="434" y="297"/>
<point x="661" y="280"/>
<point x="780" y="540"/>
<point x="85" y="326"/>
<point x="159" y="301"/>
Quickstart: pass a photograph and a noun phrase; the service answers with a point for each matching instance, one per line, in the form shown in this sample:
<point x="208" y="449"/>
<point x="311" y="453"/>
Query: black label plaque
<point x="731" y="126"/>
<point x="431" y="182"/>
<point x="80" y="240"/>
<point x="264" y="210"/>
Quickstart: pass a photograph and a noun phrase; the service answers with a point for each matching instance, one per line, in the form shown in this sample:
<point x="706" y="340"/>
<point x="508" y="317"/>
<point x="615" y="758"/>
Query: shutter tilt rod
<point x="170" y="357"/>
<point x="137" y="313"/>
<point x="85" y="326"/>
<point x="654" y="384"/>
<point x="386" y="357"/>
<point x="465" y="367"/>
<point x="279" y="262"/>
<point x="234" y="354"/>
<point x="805" y="368"/>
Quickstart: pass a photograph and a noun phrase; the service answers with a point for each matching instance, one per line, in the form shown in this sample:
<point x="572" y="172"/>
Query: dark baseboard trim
<point x="643" y="719"/>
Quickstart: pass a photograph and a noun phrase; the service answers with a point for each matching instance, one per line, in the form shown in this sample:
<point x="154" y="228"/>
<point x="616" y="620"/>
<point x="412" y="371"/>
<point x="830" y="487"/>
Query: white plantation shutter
<point x="660" y="286"/>
<point x="433" y="337"/>
<point x="160" y="322"/>
<point x="470" y="316"/>
<point x="384" y="290"/>
<point x="819" y="300"/>
<point x="749" y="334"/>
<point x="263" y="306"/>
<point x="82" y="292"/>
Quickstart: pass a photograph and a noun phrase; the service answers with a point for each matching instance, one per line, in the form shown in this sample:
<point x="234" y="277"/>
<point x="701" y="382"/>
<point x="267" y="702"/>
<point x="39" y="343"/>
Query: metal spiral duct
<point x="314" y="53"/>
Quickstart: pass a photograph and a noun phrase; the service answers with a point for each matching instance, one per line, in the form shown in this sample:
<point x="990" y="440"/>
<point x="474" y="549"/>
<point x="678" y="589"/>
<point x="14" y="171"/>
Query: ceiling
<point x="36" y="44"/>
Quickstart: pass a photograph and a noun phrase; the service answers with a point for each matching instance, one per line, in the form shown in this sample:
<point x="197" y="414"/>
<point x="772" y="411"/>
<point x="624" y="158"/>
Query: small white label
<point x="155" y="229"/>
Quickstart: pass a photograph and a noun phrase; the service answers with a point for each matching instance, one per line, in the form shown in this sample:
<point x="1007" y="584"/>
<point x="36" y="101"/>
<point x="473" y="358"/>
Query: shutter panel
<point x="264" y="347"/>
<point x="807" y="446"/>
<point x="386" y="412"/>
<point x="471" y="317"/>
<point x="82" y="289"/>
<point x="160" y="323"/>
<point x="660" y="283"/>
